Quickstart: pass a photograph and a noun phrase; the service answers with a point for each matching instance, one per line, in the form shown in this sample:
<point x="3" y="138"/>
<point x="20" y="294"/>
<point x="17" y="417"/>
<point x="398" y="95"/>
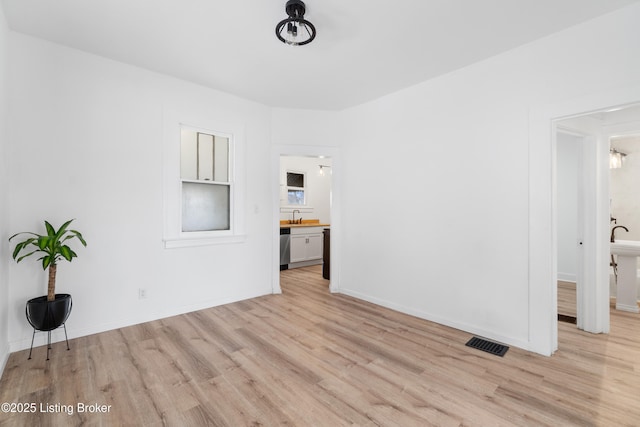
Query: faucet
<point x="613" y="232"/>
<point x="613" y="263"/>
<point x="293" y="216"/>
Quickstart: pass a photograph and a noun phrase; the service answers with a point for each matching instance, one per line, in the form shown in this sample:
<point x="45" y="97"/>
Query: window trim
<point x="229" y="182"/>
<point x="304" y="188"/>
<point x="173" y="236"/>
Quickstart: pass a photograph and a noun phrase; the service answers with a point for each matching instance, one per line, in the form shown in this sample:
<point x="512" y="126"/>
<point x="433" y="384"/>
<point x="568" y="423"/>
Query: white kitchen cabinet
<point x="306" y="244"/>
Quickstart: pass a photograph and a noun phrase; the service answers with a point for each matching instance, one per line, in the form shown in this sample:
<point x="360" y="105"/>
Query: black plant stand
<point x="46" y="316"/>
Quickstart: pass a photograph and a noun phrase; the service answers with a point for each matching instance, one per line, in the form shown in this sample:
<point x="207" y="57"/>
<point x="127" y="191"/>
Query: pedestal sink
<point x="627" y="252"/>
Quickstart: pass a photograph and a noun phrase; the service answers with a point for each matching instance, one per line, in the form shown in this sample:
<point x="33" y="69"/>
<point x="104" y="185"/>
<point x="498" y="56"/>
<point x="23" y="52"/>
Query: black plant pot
<point x="46" y="316"/>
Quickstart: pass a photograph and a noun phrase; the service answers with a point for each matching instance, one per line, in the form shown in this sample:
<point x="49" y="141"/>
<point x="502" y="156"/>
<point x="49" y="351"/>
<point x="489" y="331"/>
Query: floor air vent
<point x="488" y="346"/>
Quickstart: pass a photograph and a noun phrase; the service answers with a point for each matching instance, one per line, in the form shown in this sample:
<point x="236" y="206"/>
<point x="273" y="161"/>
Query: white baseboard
<point x="567" y="277"/>
<point x="472" y="329"/>
<point x="58" y="334"/>
<point x="629" y="308"/>
<point x="4" y="357"/>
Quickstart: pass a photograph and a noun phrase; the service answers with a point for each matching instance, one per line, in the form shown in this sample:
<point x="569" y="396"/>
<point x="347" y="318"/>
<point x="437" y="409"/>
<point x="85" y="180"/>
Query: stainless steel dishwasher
<point x="285" y="251"/>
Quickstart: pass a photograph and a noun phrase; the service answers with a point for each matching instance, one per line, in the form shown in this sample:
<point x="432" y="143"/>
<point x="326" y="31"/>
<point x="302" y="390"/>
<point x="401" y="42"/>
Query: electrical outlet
<point x="142" y="293"/>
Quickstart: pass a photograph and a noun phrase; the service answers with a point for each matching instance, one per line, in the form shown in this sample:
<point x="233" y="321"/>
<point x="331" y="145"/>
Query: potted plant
<point x="48" y="312"/>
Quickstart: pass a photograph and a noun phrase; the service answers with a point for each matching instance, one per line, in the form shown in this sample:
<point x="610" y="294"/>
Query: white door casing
<point x="543" y="323"/>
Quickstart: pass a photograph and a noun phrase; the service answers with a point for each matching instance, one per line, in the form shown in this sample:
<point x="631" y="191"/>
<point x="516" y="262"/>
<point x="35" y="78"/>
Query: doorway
<point x="588" y="137"/>
<point x="305" y="211"/>
<point x="569" y="199"/>
<point x="320" y="167"/>
<point x="543" y="323"/>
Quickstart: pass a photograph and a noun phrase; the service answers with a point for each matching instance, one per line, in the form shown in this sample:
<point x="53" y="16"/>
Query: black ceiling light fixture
<point x="295" y="30"/>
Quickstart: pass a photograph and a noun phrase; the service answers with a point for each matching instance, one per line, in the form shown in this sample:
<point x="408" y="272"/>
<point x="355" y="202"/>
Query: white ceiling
<point x="364" y="48"/>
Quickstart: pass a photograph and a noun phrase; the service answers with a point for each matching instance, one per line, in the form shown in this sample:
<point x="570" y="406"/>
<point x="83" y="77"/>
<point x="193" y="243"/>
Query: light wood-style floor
<point x="567" y="298"/>
<point x="309" y="358"/>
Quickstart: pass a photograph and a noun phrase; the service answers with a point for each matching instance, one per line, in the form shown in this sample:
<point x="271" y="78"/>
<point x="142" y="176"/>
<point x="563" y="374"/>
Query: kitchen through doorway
<point x="305" y="212"/>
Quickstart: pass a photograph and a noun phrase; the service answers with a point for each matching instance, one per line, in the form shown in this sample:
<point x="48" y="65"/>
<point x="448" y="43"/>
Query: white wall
<point x="446" y="235"/>
<point x="442" y="232"/>
<point x="318" y="188"/>
<point x="568" y="163"/>
<point x="85" y="142"/>
<point x="307" y="128"/>
<point x="4" y="197"/>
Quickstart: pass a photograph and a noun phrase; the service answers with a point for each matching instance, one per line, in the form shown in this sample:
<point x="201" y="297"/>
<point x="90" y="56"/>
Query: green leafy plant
<point x="52" y="245"/>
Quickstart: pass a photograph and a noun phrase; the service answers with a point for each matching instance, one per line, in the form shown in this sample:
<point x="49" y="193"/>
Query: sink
<point x="626" y="247"/>
<point x="627" y="252"/>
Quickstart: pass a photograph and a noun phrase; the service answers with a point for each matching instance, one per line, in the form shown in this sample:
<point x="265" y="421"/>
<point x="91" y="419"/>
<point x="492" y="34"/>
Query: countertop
<point x="305" y="223"/>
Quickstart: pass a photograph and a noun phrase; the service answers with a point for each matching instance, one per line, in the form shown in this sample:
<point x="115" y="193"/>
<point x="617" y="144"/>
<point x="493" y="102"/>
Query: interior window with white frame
<point x="206" y="180"/>
<point x="296" y="182"/>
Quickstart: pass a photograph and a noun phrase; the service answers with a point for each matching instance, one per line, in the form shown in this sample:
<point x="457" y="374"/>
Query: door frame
<point x="543" y="321"/>
<point x="336" y="168"/>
